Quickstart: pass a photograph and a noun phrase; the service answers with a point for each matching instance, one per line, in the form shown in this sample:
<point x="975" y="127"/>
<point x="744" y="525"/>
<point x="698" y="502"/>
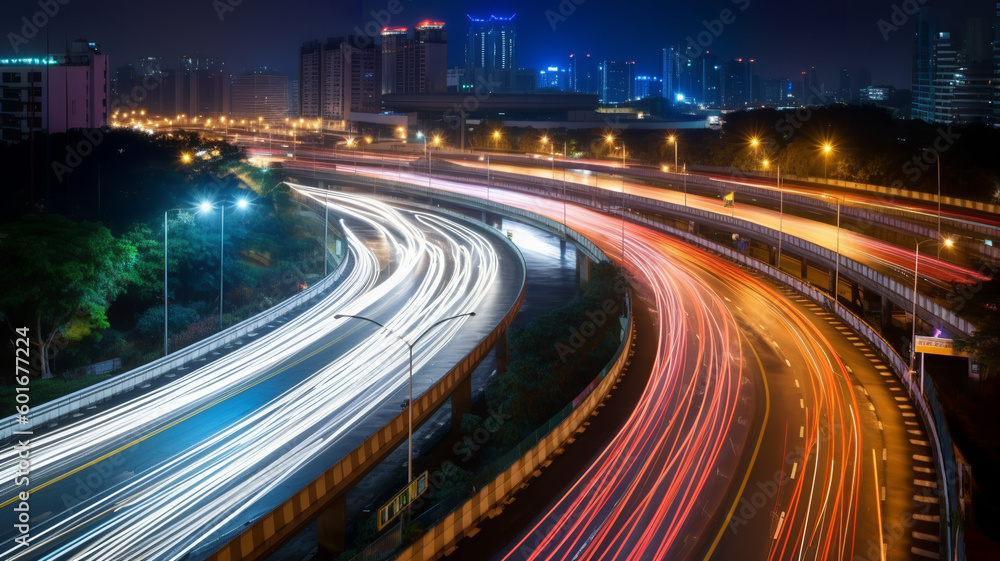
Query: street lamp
<point x="916" y="276"/>
<point x="781" y="207"/>
<point x="241" y="204"/>
<point x="166" y="298"/>
<point x="409" y="402"/>
<point x="610" y="138"/>
<point x="674" y="141"/>
<point x="937" y="156"/>
<point x="496" y="140"/>
<point x="836" y="278"/>
<point x="827" y="149"/>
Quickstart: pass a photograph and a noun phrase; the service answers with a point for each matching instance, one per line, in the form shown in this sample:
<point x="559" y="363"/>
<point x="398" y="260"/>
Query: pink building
<point x="55" y="93"/>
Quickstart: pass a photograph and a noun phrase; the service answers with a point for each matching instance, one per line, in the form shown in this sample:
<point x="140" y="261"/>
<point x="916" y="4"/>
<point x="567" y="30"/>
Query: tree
<point x="60" y="277"/>
<point x="983" y="310"/>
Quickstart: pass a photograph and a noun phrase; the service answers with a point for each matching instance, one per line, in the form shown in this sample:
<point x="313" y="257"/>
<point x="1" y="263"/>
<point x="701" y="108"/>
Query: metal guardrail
<point x="928" y="405"/>
<point x="901" y="293"/>
<point x="127" y="381"/>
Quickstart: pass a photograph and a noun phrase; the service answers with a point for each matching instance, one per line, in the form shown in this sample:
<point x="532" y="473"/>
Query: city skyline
<point x="853" y="35"/>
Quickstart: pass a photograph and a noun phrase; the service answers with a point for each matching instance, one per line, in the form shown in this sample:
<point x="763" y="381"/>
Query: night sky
<point x="784" y="36"/>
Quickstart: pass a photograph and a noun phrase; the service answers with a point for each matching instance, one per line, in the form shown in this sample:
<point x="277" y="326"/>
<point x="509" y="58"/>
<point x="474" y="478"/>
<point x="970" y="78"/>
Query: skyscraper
<point x="846" y="93"/>
<point x="617" y="81"/>
<point x="417" y="65"/>
<point x="923" y="65"/>
<point x="669" y="73"/>
<point x="261" y="94"/>
<point x="954" y="81"/>
<point x="737" y="82"/>
<point x="393" y="60"/>
<point x="491" y="52"/>
<point x="339" y="77"/>
<point x="582" y="74"/>
<point x="647" y="86"/>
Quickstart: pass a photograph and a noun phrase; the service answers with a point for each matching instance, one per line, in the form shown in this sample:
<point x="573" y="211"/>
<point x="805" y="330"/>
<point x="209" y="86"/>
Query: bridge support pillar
<point x="805" y="269"/>
<point x="582" y="268"/>
<point x="461" y="403"/>
<point x="834" y="289"/>
<point x="332" y="535"/>
<point x="886" y="312"/>
<point x="502" y="354"/>
<point x="855" y="294"/>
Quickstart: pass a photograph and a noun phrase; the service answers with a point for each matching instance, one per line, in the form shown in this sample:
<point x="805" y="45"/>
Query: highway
<point x="751" y="392"/>
<point x="877" y="254"/>
<point x="172" y="472"/>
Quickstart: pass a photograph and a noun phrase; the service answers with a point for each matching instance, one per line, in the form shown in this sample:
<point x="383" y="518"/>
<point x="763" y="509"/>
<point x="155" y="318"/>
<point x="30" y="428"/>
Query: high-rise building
<point x="491" y="53"/>
<point x="972" y="95"/>
<point x="150" y="66"/>
<point x="772" y="92"/>
<point x="582" y="75"/>
<point x="124" y="80"/>
<point x="261" y="94"/>
<point x="647" y="86"/>
<point x="617" y="81"/>
<point x="845" y="93"/>
<point x="417" y="65"/>
<point x="879" y="95"/>
<point x="55" y="93"/>
<point x="339" y="77"/>
<point x="394" y="41"/>
<point x="737" y="83"/>
<point x="669" y="78"/>
<point x="553" y="78"/>
<point x="953" y="81"/>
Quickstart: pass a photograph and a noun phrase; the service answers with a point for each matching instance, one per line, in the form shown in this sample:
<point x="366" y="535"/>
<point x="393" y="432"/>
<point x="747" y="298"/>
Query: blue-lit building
<point x="491" y="53"/>
<point x="552" y="78"/>
<point x="583" y="75"/>
<point x="617" y="81"/>
<point x="647" y="86"/>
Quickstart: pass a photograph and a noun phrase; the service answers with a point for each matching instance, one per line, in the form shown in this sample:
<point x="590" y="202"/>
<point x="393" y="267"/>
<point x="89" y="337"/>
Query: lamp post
<point x="206" y="206"/>
<point x="937" y="156"/>
<point x="675" y="142"/>
<point x="781" y="208"/>
<point x="611" y="139"/>
<point x="166" y="298"/>
<point x="836" y="278"/>
<point x="409" y="402"/>
<point x="827" y="149"/>
<point x="916" y="276"/>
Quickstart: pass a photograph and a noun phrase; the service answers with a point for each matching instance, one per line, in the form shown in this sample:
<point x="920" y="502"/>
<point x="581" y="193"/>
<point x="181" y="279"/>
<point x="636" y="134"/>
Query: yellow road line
<point x="753" y="459"/>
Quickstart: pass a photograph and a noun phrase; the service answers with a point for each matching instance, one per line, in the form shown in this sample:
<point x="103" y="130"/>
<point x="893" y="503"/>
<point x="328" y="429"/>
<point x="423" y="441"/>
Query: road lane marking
<point x="753" y="458"/>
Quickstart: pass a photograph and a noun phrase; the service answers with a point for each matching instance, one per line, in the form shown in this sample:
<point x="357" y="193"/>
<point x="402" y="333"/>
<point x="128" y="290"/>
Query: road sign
<point x="938" y="346"/>
<point x="391" y="509"/>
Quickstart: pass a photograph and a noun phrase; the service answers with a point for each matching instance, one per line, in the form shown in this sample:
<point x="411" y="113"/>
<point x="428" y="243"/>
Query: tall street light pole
<point x="781" y="207"/>
<point x="409" y="403"/>
<point x="241" y="204"/>
<point x="916" y="276"/>
<point x="836" y="278"/>
<point x="675" y="142"/>
<point x="827" y="149"/>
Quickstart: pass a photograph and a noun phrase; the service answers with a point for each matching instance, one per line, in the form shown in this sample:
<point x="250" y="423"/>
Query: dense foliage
<point x="83" y="251"/>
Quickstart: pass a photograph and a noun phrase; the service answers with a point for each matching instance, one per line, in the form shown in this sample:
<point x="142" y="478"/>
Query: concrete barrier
<point x="489" y="500"/>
